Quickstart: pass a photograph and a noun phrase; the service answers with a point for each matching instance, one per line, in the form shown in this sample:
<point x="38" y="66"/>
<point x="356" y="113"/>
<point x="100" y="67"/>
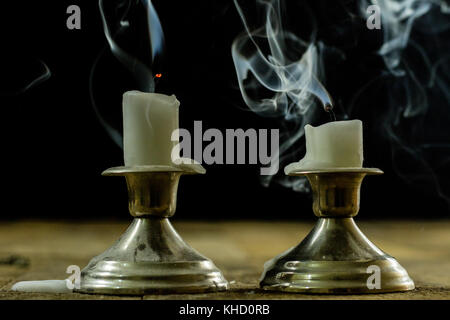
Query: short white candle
<point x="148" y="122"/>
<point x="337" y="144"/>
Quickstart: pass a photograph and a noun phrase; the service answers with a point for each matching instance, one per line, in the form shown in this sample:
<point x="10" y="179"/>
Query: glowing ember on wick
<point x="149" y="118"/>
<point x="329" y="108"/>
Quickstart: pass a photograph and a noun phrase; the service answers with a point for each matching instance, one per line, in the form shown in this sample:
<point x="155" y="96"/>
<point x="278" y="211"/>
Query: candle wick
<point x="329" y="108"/>
<point x="156" y="78"/>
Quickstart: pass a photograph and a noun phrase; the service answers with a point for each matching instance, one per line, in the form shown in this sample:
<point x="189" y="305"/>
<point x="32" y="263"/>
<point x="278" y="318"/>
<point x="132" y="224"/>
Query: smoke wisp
<point x="416" y="52"/>
<point x="29" y="73"/>
<point x="135" y="37"/>
<point x="409" y="94"/>
<point x="279" y="76"/>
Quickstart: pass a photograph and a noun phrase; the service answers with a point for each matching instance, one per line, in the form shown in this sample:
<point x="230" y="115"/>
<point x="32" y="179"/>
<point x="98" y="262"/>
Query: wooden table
<point x="38" y="250"/>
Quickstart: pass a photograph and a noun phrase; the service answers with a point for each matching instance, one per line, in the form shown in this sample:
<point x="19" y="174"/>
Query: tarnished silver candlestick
<point x="150" y="257"/>
<point x="335" y="257"/>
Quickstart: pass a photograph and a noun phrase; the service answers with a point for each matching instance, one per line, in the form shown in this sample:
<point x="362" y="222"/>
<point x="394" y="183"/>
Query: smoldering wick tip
<point x="329" y="108"/>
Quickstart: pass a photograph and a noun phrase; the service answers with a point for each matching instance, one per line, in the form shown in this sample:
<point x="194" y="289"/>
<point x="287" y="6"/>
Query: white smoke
<point x="141" y="70"/>
<point x="33" y="79"/>
<point x="122" y="22"/>
<point x="416" y="53"/>
<point x="278" y="75"/>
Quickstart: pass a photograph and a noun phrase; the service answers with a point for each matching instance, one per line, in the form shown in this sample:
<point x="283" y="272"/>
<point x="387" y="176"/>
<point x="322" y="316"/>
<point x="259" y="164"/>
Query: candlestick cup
<point x="150" y="257"/>
<point x="335" y="257"/>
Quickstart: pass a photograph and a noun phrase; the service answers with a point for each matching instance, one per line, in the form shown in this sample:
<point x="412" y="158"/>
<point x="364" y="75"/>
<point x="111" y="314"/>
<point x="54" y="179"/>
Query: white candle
<point x="337" y="144"/>
<point x="148" y="122"/>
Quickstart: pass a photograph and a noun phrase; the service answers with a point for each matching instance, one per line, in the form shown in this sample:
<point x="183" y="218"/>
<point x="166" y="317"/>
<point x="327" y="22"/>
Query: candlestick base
<point x="335" y="257"/>
<point x="150" y="257"/>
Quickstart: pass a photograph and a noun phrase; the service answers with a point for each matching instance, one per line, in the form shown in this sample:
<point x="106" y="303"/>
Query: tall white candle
<point x="148" y="122"/>
<point x="337" y="144"/>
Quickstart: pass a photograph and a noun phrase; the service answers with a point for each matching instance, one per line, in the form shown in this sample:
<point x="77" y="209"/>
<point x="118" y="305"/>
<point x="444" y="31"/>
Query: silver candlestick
<point x="335" y="257"/>
<point x="150" y="257"/>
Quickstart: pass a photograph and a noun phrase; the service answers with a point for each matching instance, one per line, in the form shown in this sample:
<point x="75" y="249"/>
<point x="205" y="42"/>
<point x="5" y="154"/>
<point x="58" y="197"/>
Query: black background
<point x="54" y="147"/>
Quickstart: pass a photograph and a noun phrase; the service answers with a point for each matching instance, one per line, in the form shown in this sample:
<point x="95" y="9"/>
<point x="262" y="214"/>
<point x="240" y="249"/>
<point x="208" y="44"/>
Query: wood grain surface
<point x="40" y="250"/>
